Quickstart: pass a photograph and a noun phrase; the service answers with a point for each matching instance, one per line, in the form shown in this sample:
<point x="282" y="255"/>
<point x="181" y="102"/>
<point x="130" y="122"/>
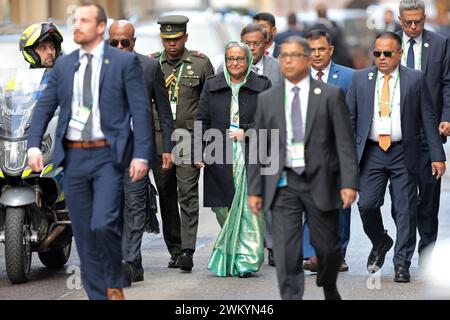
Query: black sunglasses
<point x="377" y="54"/>
<point x="124" y="42"/>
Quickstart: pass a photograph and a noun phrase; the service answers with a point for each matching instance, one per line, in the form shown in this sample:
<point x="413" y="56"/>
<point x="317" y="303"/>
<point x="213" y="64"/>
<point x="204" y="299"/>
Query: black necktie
<point x="87" y="98"/>
<point x="410" y="62"/>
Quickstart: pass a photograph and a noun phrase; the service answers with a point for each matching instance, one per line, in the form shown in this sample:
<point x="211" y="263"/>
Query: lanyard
<point x="174" y="97"/>
<point x="96" y="77"/>
<point x="405" y="54"/>
<point x="391" y="102"/>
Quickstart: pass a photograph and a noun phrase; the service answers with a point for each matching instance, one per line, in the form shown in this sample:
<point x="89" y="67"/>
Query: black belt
<point x="375" y="143"/>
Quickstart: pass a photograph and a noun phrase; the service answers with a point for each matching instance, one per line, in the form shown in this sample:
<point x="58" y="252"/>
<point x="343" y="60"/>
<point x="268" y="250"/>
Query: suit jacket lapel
<point x="279" y="95"/>
<point x="75" y="57"/>
<point x="315" y="91"/>
<point x="425" y="50"/>
<point x="331" y="79"/>
<point x="372" y="78"/>
<point x="105" y="63"/>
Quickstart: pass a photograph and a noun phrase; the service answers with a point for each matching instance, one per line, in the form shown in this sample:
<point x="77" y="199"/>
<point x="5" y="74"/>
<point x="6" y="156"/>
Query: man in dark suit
<point x="389" y="104"/>
<point x="430" y="52"/>
<point x="122" y="36"/>
<point x="99" y="90"/>
<point x="267" y="21"/>
<point x="323" y="69"/>
<point x="312" y="168"/>
<point x="294" y="29"/>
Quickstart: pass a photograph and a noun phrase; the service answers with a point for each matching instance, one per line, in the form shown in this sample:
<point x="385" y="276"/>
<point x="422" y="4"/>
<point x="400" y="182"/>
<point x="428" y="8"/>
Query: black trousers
<point x="377" y="168"/>
<point x="287" y="214"/>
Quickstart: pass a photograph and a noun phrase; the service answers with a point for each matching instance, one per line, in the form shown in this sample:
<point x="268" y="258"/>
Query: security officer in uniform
<point x="185" y="73"/>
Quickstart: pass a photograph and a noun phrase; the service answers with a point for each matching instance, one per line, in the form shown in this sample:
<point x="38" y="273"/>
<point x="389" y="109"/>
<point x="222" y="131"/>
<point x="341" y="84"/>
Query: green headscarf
<point x="241" y="45"/>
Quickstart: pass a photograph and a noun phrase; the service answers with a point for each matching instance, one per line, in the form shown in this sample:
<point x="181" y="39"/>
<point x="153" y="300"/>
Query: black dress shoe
<point x="377" y="255"/>
<point x="343" y="267"/>
<point x="174" y="262"/>
<point x="246" y="274"/>
<point x="402" y="274"/>
<point x="186" y="261"/>
<point x="270" y="258"/>
<point x="127" y="270"/>
<point x="138" y="274"/>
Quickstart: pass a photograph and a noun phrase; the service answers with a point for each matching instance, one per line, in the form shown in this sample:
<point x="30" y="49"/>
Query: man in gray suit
<point x="308" y="126"/>
<point x="122" y="36"/>
<point x="255" y="37"/>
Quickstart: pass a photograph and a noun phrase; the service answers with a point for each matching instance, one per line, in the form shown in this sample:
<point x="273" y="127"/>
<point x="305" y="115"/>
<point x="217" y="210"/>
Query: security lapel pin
<point x="335" y="76"/>
<point x="370" y="75"/>
<point x="426" y="45"/>
<point x="317" y="91"/>
<point x="106" y="61"/>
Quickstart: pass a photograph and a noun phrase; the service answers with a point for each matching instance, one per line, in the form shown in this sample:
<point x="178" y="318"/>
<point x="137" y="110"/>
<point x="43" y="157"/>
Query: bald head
<point x="121" y="35"/>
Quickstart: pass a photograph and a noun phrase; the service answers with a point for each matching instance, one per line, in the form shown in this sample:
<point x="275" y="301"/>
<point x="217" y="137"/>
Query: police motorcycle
<point x="33" y="215"/>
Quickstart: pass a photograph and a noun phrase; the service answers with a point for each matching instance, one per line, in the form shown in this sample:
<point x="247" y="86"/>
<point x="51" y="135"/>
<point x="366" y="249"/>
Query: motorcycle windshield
<point x="19" y="91"/>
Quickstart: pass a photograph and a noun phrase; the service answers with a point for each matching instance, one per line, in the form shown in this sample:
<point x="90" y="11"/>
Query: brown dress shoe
<point x="310" y="264"/>
<point x="115" y="294"/>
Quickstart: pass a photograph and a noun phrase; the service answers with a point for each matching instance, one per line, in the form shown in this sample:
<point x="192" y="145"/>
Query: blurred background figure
<point x="436" y="266"/>
<point x="390" y="23"/>
<point x="341" y="53"/>
<point x="294" y="29"/>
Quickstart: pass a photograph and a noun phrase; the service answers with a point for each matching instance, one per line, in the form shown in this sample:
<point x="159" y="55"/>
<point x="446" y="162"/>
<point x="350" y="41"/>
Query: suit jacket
<point x="340" y="76"/>
<point x="157" y="92"/>
<point x="436" y="67"/>
<point x="122" y="96"/>
<point x="416" y="112"/>
<point x="214" y="113"/>
<point x="330" y="155"/>
<point x="271" y="69"/>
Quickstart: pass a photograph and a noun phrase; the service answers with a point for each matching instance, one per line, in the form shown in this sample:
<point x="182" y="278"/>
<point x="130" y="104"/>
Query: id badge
<point x="173" y="107"/>
<point x="384" y="126"/>
<point x="234" y="123"/>
<point x="79" y="118"/>
<point x="283" y="180"/>
<point x="298" y="154"/>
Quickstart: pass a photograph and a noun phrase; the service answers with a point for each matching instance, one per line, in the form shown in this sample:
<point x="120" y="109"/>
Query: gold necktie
<point x="384" y="140"/>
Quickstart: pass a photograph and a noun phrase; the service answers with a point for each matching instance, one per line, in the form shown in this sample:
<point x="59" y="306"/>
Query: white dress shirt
<point x="260" y="66"/>
<point x="396" y="125"/>
<point x="304" y="97"/>
<point x="97" y="134"/>
<point x="417" y="50"/>
<point x="326" y="73"/>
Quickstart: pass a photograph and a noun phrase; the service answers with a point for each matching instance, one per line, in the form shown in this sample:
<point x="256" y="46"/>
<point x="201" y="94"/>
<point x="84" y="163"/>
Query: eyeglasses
<point x="255" y="44"/>
<point x="124" y="42"/>
<point x="408" y="23"/>
<point x="377" y="54"/>
<point x="239" y="60"/>
<point x="293" y="55"/>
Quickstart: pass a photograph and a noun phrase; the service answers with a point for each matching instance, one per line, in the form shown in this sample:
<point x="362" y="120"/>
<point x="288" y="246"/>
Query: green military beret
<point x="173" y="26"/>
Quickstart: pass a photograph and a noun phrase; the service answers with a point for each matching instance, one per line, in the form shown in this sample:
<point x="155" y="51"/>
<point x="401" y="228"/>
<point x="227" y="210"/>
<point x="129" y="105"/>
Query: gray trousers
<point x="135" y="210"/>
<point x="287" y="214"/>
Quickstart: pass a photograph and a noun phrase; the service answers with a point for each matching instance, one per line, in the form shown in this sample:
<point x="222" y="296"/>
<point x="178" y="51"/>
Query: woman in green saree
<point x="228" y="103"/>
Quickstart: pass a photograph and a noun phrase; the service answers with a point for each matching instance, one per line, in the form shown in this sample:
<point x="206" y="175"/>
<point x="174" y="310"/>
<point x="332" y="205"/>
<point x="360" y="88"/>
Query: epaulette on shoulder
<point x="199" y="54"/>
<point x="155" y="54"/>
